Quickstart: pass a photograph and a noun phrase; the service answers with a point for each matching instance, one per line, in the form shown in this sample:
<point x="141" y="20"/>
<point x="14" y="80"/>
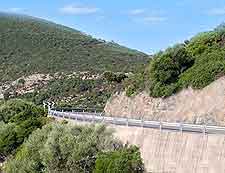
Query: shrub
<point x="21" y="81"/>
<point x="114" y="77"/>
<point x="126" y="160"/>
<point x="134" y="83"/>
<point x="109" y="76"/>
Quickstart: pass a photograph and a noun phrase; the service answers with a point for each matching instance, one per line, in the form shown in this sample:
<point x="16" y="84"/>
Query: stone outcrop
<point x="192" y="106"/>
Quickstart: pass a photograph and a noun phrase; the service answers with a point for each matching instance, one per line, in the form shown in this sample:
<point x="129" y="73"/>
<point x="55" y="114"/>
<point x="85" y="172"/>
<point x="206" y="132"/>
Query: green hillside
<point x="30" y="45"/>
<point x="196" y="62"/>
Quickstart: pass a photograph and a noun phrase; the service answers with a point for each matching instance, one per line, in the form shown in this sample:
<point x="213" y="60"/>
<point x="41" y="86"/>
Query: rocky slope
<point x="41" y="60"/>
<point x="193" y="106"/>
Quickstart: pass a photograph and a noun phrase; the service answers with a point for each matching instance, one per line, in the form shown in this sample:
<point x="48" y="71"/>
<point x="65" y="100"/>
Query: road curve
<point x="100" y="118"/>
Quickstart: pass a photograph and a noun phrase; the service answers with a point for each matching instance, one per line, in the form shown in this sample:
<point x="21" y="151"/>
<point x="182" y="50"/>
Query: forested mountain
<point x="30" y="45"/>
<point x="41" y="60"/>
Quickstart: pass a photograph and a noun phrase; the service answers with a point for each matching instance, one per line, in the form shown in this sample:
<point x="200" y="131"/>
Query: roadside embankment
<point x="189" y="105"/>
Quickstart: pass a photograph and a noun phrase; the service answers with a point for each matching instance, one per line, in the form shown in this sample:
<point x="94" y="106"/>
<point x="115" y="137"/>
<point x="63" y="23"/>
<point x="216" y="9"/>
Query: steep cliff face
<point x="189" y="105"/>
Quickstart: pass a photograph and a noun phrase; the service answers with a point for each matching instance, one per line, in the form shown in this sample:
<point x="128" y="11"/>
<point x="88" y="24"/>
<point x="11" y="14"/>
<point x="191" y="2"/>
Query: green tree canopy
<point x="62" y="148"/>
<point x="18" y="119"/>
<point x="196" y="63"/>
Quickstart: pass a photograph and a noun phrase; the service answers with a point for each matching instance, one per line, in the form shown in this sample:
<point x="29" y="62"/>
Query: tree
<point x="18" y="119"/>
<point x="62" y="148"/>
<point x="165" y="69"/>
<point x="8" y="139"/>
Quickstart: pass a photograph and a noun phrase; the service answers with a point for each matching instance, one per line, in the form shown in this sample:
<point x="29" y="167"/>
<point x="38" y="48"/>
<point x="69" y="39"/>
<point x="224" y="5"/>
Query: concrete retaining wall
<point x="172" y="151"/>
<point x="176" y="152"/>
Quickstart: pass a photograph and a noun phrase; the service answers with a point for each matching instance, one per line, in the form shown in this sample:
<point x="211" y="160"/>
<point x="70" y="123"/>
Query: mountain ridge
<point x="31" y="45"/>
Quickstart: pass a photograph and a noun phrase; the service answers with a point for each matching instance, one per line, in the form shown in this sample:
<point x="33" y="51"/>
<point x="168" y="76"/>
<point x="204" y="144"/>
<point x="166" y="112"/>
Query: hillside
<point x="184" y="83"/>
<point x="195" y="63"/>
<point x="30" y="45"/>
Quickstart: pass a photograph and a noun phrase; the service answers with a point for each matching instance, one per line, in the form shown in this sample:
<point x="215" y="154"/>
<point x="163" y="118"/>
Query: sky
<point x="145" y="25"/>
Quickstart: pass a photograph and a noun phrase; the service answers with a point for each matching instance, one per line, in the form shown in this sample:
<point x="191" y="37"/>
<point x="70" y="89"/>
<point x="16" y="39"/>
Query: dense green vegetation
<point x="195" y="63"/>
<point x="18" y="119"/>
<point x="31" y="142"/>
<point x="114" y="77"/>
<point x="65" y="148"/>
<point x="74" y="92"/>
<point x="125" y="160"/>
<point x="30" y="45"/>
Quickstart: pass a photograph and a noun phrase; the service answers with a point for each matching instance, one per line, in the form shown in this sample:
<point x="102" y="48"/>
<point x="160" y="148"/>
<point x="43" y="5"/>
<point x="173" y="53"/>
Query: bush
<point x="114" y="77"/>
<point x="134" y="84"/>
<point x="21" y="81"/>
<point x="126" y="160"/>
<point x="109" y="76"/>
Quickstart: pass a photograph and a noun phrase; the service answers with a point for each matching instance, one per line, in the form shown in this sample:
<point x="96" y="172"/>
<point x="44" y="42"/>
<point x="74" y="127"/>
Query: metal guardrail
<point x="101" y="118"/>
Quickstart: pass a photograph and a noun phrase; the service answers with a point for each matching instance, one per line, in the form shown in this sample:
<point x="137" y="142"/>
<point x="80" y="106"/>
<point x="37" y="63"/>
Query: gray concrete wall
<point x="174" y="152"/>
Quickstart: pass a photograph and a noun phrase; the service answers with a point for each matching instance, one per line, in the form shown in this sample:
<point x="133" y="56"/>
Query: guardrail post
<point x="181" y="127"/>
<point x="69" y="116"/>
<point x="160" y="126"/>
<point x="204" y="129"/>
<point x="83" y="118"/>
<point x="127" y="123"/>
<point x="93" y="119"/>
<point x="142" y="122"/>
